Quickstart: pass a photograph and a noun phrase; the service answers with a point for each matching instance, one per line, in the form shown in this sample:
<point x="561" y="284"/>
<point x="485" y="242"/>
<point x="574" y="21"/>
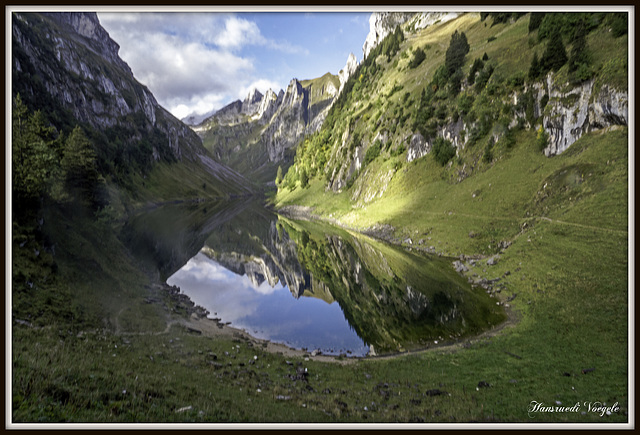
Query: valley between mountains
<point x="460" y="196"/>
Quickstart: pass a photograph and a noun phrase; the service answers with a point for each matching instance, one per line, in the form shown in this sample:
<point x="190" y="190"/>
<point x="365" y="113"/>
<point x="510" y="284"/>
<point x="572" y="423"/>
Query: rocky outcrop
<point x="383" y="23"/>
<point x="426" y="19"/>
<point x="289" y="123"/>
<point x="251" y="103"/>
<point x="570" y="113"/>
<point x="418" y="147"/>
<point x="268" y="106"/>
<point x="380" y="25"/>
<point x="348" y="70"/>
<point x="66" y="62"/>
<point x="266" y="126"/>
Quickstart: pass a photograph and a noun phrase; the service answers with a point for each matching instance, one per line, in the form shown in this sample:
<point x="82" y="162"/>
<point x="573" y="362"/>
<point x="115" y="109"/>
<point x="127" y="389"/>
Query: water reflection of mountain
<point x="166" y="237"/>
<point x="392" y="299"/>
<point x="255" y="245"/>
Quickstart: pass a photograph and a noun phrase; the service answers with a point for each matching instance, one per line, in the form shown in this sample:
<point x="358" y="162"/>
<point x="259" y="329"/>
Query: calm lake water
<point x="307" y="284"/>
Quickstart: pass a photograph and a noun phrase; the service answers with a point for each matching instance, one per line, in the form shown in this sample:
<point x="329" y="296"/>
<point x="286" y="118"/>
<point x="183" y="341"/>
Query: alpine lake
<point x="307" y="284"/>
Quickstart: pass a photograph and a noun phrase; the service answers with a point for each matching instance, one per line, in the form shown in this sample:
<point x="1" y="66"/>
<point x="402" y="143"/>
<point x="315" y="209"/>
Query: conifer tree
<point x="534" y="69"/>
<point x="555" y="56"/>
<point x="33" y="159"/>
<point x="80" y="169"/>
<point x="579" y="49"/>
<point x="458" y="48"/>
<point x="304" y="178"/>
<point x="534" y="20"/>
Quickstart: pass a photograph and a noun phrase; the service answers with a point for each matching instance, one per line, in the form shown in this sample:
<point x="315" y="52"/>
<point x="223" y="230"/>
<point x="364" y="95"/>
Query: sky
<point x="197" y="62"/>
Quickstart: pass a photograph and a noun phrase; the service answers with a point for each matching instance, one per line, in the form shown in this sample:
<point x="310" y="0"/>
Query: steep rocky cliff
<point x="254" y="136"/>
<point x="67" y="66"/>
<point x="571" y="113"/>
<point x="567" y="112"/>
<point x="383" y="23"/>
<point x="72" y="59"/>
<point x="347" y="71"/>
<point x="380" y="25"/>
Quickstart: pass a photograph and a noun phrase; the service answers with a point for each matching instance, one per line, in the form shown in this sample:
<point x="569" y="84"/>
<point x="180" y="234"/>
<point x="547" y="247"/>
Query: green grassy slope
<point x="79" y="354"/>
<point x="566" y="219"/>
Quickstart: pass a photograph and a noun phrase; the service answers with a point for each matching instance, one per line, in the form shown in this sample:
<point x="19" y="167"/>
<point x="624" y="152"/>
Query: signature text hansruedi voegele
<point x="595" y="407"/>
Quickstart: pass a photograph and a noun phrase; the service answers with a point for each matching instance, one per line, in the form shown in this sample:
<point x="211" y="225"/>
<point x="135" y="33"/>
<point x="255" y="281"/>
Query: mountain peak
<point x="254" y="96"/>
<point x="87" y="25"/>
<point x="380" y="25"/>
<point x="251" y="103"/>
<point x="348" y="70"/>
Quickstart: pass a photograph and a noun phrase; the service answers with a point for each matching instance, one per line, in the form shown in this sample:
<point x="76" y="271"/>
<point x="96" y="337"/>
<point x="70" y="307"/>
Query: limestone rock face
<point x="426" y="19"/>
<point x="571" y="113"/>
<point x="252" y="102"/>
<point x="67" y="62"/>
<point x="264" y="127"/>
<point x="380" y="25"/>
<point x="383" y="23"/>
<point x="348" y="70"/>
<point x="418" y="147"/>
<point x="268" y="106"/>
<point x="289" y="122"/>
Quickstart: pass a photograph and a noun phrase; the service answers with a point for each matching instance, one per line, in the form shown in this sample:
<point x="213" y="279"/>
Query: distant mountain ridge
<point x="256" y="135"/>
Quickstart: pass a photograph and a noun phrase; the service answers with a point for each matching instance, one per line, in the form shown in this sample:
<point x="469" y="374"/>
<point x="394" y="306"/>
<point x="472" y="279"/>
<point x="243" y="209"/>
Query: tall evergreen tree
<point x="579" y="49"/>
<point x="534" y="69"/>
<point x="458" y="48"/>
<point x="33" y="157"/>
<point x="535" y="19"/>
<point x="555" y="55"/>
<point x="80" y="169"/>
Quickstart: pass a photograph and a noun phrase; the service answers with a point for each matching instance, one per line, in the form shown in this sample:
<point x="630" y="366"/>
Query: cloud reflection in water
<point x="264" y="311"/>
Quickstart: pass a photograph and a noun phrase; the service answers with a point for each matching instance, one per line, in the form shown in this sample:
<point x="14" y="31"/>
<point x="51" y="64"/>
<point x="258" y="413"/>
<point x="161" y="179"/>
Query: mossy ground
<point x="568" y="267"/>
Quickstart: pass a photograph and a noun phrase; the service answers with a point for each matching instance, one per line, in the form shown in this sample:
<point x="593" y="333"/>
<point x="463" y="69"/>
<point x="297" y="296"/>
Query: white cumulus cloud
<point x="239" y="32"/>
<point x="191" y="61"/>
